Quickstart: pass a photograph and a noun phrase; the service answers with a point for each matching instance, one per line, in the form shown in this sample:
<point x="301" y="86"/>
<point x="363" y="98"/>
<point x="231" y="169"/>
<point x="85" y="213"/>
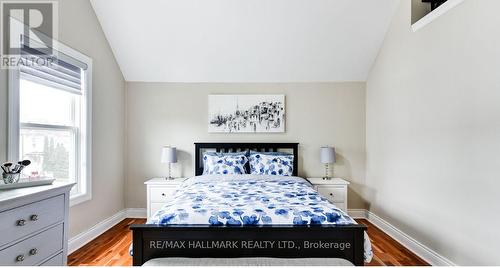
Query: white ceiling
<point x="245" y="40"/>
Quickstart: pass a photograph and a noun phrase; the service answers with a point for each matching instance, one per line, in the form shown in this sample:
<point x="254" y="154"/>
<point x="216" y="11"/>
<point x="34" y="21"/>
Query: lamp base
<point x="169" y="177"/>
<point x="327" y="172"/>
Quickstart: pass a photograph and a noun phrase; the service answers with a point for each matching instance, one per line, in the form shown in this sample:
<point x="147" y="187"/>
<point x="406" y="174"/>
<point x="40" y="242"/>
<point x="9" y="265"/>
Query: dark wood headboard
<point x="201" y="147"/>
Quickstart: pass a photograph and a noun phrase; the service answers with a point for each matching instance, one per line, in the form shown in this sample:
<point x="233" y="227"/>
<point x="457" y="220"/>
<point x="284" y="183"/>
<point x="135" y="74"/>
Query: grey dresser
<point x="34" y="225"/>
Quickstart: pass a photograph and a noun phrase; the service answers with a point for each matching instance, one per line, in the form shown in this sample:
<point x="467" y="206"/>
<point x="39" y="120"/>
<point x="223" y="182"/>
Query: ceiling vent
<point x="434" y="3"/>
<point x="424" y="12"/>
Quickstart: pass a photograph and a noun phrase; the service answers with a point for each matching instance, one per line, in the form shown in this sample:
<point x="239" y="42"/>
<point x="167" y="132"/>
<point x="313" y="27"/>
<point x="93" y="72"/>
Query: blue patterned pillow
<point x="216" y="164"/>
<point x="271" y="164"/>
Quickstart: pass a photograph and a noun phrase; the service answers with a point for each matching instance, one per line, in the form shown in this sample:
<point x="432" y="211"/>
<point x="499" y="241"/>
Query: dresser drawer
<point x="335" y="194"/>
<point x="22" y="221"/>
<point x="54" y="261"/>
<point x="161" y="194"/>
<point x="34" y="249"/>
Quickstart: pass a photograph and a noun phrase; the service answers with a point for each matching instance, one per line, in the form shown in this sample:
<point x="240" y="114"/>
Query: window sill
<point x="79" y="198"/>
<point x="436" y="13"/>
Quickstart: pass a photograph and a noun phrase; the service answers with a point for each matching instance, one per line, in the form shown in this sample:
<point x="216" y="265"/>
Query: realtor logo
<point x="31" y="24"/>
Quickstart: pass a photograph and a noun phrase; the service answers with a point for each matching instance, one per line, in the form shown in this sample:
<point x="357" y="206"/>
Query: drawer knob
<point x="33" y="251"/>
<point x="21" y="222"/>
<point x="331" y="194"/>
<point x="20" y="258"/>
<point x="34" y="217"/>
<point x="163" y="194"/>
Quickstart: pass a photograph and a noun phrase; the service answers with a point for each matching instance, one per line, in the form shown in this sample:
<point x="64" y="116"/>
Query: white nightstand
<point x="334" y="189"/>
<point x="160" y="191"/>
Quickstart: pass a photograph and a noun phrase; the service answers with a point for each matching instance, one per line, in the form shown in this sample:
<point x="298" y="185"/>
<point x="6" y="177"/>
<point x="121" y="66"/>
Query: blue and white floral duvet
<point x="234" y="200"/>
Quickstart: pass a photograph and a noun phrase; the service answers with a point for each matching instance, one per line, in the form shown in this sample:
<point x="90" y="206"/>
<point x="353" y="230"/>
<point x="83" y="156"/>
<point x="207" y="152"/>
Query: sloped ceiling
<point x="245" y="40"/>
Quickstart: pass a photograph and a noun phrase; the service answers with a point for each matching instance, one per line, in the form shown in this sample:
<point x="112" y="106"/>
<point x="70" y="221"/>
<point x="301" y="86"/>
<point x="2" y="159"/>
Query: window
<point x="49" y="118"/>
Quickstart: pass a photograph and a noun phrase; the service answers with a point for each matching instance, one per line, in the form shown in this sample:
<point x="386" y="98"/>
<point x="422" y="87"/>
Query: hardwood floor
<point x="111" y="248"/>
<point x="108" y="249"/>
<point x="387" y="251"/>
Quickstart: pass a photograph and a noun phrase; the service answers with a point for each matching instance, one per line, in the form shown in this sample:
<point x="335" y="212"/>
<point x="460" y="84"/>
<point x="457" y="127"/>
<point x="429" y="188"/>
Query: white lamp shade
<point x="327" y="155"/>
<point x="169" y="155"/>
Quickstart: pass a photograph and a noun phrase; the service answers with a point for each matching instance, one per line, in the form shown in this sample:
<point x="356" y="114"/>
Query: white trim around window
<point x="84" y="168"/>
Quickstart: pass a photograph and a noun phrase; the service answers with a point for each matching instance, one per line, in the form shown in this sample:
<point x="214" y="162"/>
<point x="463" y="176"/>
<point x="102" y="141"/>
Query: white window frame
<point x="85" y="179"/>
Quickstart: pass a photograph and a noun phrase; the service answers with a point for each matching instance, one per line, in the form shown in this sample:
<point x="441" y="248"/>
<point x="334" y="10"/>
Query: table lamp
<point x="327" y="158"/>
<point x="169" y="155"/>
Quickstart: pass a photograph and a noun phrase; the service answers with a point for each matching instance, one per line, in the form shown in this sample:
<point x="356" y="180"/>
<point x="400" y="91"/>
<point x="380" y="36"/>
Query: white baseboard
<point x="136" y="213"/>
<point x="85" y="237"/>
<point x="427" y="254"/>
<point x="357" y="213"/>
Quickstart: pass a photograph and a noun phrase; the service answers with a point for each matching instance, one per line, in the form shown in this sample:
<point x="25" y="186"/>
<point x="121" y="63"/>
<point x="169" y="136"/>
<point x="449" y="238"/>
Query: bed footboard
<point x="197" y="241"/>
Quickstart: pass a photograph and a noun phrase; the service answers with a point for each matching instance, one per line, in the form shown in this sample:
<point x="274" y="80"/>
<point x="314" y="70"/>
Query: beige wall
<point x="433" y="124"/>
<point x="79" y="28"/>
<point x="317" y="114"/>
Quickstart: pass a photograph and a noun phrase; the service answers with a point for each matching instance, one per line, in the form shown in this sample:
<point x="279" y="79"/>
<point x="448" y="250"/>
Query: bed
<point x="248" y="216"/>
